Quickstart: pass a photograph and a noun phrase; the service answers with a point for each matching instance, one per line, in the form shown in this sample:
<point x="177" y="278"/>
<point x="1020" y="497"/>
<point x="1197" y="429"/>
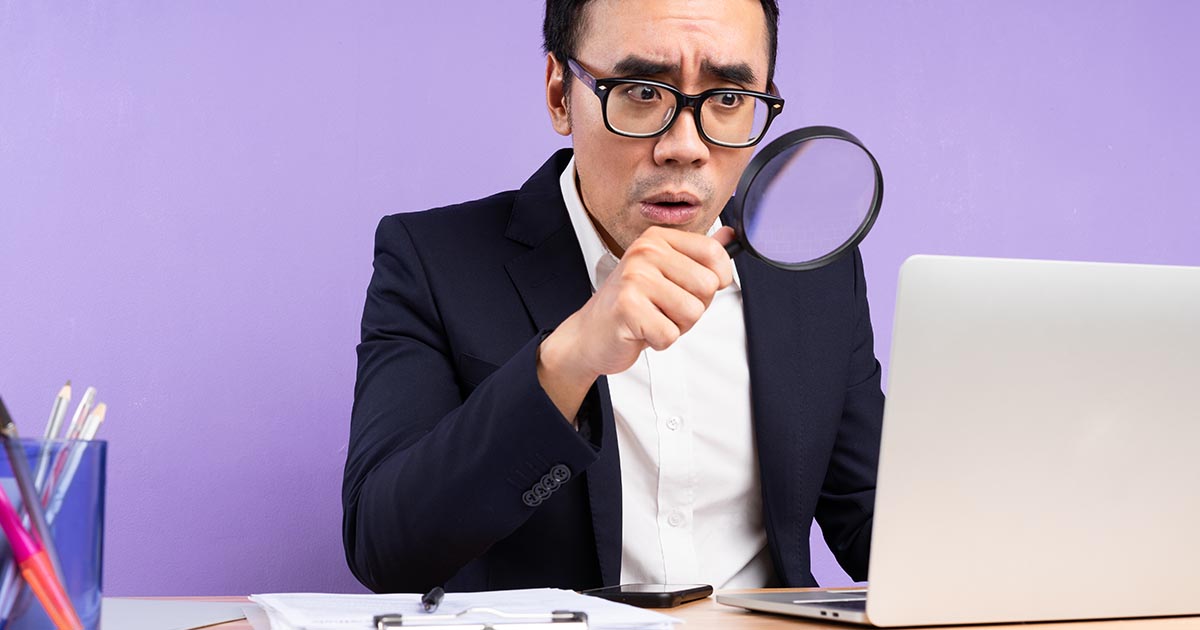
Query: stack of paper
<point x="166" y="614"/>
<point x="317" y="611"/>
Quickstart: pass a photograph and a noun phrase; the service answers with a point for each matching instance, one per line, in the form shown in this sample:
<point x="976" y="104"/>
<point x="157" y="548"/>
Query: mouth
<point x="670" y="208"/>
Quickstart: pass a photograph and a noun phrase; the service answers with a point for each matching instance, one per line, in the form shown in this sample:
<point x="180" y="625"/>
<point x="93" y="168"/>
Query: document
<point x="318" y="611"/>
<point x="156" y="614"/>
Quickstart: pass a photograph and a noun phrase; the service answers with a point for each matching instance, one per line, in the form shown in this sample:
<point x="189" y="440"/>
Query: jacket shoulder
<point x="488" y="215"/>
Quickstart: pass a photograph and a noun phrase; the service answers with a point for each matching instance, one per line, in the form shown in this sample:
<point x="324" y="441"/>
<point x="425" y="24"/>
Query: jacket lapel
<point x="552" y="280"/>
<point x="775" y="345"/>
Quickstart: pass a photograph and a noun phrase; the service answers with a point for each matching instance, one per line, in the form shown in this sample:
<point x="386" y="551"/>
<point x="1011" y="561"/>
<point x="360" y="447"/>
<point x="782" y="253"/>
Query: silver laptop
<point x="1041" y="449"/>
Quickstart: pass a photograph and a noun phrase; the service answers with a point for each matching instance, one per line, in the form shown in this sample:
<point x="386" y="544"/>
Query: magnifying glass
<point x="806" y="198"/>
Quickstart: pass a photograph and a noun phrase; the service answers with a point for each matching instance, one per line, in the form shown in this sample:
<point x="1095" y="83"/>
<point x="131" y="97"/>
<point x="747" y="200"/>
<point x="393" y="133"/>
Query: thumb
<point x="724" y="235"/>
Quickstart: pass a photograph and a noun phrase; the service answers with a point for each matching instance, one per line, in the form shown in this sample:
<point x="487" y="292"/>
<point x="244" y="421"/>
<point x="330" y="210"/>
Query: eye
<point x="730" y="100"/>
<point x="642" y="93"/>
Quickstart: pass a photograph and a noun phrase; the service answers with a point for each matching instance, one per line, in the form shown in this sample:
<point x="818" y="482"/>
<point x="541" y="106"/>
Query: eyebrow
<point x="634" y="66"/>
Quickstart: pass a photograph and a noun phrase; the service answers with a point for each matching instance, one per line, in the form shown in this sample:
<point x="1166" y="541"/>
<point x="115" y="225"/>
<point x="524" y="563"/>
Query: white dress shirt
<point x="691" y="505"/>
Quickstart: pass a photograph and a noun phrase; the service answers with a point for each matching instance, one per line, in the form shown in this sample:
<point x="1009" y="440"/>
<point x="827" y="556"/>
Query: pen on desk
<point x="57" y="413"/>
<point x="29" y="494"/>
<point x="35" y="568"/>
<point x="431" y="600"/>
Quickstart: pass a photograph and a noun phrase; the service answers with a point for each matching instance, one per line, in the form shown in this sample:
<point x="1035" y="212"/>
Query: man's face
<point x="676" y="179"/>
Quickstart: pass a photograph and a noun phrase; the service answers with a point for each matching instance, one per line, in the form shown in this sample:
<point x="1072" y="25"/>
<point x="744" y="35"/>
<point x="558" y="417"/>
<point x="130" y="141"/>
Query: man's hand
<point x="663" y="284"/>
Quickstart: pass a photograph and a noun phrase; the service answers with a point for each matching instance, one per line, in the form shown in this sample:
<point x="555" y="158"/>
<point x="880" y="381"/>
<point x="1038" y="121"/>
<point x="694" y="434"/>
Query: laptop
<point x="1040" y="457"/>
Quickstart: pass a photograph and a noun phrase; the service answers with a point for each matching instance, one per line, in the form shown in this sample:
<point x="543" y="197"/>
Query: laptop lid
<point x="1041" y="444"/>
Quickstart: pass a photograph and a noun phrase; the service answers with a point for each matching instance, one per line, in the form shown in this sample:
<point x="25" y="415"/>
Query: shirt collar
<point x="599" y="260"/>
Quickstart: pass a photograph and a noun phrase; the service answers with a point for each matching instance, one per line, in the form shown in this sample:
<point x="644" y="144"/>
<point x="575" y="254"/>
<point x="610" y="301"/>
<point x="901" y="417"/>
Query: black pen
<point x="431" y="600"/>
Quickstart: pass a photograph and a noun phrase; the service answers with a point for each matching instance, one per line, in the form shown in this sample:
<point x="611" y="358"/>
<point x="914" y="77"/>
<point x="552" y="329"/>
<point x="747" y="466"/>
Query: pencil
<point x="57" y="413"/>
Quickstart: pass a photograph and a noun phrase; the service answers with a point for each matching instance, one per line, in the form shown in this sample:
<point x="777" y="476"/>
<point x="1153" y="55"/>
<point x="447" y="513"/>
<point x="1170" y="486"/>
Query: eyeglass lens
<point x="643" y="110"/>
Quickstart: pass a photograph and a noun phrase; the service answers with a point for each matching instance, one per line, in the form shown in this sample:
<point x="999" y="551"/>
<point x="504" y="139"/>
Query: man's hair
<point x="565" y="22"/>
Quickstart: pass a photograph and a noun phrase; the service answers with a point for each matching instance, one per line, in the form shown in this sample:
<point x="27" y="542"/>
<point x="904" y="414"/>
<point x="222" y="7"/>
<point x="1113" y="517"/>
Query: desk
<point x="707" y="614"/>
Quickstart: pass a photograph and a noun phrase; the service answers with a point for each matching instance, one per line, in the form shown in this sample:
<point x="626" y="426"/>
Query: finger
<point x="645" y="320"/>
<point x="678" y="305"/>
<point x="725" y="235"/>
<point x="701" y="248"/>
<point x="654" y="257"/>
<point x="659" y="333"/>
<point x="644" y="299"/>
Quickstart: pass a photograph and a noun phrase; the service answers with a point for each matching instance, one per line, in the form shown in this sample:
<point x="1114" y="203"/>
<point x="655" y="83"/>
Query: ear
<point x="556" y="96"/>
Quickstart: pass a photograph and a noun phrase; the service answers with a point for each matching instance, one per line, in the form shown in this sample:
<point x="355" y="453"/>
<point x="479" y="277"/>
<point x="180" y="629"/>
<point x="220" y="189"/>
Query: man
<point x="572" y="385"/>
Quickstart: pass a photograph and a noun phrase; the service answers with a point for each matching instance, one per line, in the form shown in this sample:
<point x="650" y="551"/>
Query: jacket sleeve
<point x="433" y="480"/>
<point x="846" y="506"/>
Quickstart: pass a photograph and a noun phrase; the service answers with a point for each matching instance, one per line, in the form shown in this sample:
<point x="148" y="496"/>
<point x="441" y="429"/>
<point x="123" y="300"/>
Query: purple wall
<point x="188" y="192"/>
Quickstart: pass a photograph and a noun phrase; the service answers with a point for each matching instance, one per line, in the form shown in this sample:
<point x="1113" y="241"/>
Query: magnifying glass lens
<point x="811" y="201"/>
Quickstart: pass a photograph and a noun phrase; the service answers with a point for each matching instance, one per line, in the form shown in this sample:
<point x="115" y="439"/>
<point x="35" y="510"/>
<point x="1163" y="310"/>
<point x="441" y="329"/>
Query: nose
<point x="682" y="144"/>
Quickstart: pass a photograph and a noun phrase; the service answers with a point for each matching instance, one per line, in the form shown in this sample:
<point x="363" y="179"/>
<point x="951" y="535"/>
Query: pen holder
<point x="74" y="471"/>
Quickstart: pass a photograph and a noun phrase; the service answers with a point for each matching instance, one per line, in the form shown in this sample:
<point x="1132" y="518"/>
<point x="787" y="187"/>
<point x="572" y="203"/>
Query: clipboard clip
<point x="557" y="620"/>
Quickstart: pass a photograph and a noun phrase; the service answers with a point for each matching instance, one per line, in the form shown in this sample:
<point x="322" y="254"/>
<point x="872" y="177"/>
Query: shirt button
<point x="673" y="422"/>
<point x="675" y="519"/>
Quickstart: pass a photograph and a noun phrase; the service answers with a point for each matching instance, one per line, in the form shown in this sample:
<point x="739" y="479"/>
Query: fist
<point x="659" y="290"/>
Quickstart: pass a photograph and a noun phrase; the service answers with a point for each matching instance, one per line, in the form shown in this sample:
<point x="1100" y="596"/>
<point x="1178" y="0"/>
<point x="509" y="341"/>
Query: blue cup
<point x="75" y="471"/>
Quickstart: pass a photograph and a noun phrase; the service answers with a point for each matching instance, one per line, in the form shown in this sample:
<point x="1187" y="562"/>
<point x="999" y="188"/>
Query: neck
<point x="607" y="238"/>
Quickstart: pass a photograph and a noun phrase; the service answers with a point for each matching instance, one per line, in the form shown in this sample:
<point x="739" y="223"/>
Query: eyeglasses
<point x="640" y="108"/>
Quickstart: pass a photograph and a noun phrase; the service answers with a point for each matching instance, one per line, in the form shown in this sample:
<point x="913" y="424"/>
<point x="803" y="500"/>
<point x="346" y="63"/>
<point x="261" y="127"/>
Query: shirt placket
<point x="676" y="488"/>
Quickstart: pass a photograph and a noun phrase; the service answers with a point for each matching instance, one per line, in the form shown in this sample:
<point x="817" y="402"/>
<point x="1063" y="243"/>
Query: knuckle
<point x="718" y="259"/>
<point x="635" y="249"/>
<point x="645" y="245"/>
<point x="690" y="312"/>
<point x="662" y="339"/>
<point x="655" y="231"/>
<point x="626" y="300"/>
<point x="715" y="249"/>
<point x="634" y="278"/>
<point x="710" y="283"/>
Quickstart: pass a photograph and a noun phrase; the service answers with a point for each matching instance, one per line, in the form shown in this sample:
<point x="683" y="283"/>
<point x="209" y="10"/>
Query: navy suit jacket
<point x="461" y="471"/>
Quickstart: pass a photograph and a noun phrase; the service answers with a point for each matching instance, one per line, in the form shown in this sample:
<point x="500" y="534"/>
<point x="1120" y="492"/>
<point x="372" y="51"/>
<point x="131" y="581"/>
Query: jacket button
<point x="550" y="483"/>
<point x="560" y="473"/>
<point x="541" y="492"/>
<point x="530" y="499"/>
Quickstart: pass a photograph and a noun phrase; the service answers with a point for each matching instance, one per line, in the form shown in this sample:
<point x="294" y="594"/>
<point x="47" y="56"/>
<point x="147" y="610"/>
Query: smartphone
<point x="653" y="595"/>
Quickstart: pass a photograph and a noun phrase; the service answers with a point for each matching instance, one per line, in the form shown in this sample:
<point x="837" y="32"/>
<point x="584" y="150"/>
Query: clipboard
<point x="557" y="620"/>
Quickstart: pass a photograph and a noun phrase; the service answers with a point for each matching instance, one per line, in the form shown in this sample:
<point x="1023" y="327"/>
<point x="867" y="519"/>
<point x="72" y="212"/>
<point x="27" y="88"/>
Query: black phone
<point x="653" y="595"/>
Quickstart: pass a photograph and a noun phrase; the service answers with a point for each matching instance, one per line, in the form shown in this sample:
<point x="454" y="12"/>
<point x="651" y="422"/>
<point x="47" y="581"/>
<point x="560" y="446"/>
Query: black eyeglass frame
<point x="602" y="88"/>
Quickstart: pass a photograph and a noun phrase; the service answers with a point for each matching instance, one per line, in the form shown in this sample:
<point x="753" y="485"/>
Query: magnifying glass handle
<point x="733" y="248"/>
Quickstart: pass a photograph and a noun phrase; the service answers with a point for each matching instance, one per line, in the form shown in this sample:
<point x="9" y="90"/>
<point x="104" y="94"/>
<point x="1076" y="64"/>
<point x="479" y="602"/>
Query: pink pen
<point x="35" y="568"/>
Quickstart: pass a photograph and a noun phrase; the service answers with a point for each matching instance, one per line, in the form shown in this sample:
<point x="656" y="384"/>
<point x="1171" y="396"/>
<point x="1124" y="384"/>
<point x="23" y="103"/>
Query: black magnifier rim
<point x="774" y="148"/>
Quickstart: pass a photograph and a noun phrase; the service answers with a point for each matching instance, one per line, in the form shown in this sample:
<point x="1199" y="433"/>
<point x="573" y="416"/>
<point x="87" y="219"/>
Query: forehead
<point x="691" y="34"/>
